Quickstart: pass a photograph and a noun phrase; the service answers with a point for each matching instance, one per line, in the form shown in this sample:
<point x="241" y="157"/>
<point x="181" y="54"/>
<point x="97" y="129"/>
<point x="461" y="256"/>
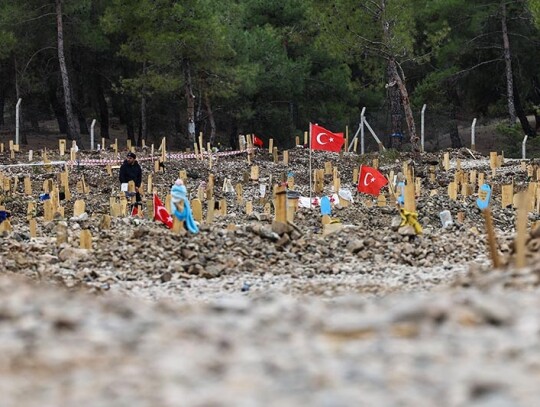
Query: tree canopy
<point x="169" y="68"/>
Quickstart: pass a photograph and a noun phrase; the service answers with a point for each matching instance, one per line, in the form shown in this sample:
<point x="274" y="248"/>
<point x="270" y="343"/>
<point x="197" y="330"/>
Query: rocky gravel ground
<point x="244" y="314"/>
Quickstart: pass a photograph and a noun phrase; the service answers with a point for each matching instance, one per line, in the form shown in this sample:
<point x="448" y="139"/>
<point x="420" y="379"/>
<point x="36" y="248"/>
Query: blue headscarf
<point x="179" y="193"/>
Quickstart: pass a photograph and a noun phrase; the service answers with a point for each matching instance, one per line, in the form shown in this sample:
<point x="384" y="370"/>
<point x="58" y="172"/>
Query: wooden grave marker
<point x="85" y="239"/>
<point x="32" y="225"/>
<point x="223" y="207"/>
<point x="210" y="187"/>
<point x="249" y="207"/>
<point x="521" y="229"/>
<point x="446" y="161"/>
<point x="239" y="189"/>
<point x="27" y="186"/>
<point x="507" y="195"/>
<point x="79" y="207"/>
<point x="286" y="157"/>
<point x="210" y="211"/>
<point x="196" y="208"/>
<point x="254" y="173"/>
<point x="327" y="168"/>
<point x="281" y="204"/>
<point x="48" y="210"/>
<point x="481" y="179"/>
<point x="61" y="233"/>
<point x="62" y="147"/>
<point x="105" y="222"/>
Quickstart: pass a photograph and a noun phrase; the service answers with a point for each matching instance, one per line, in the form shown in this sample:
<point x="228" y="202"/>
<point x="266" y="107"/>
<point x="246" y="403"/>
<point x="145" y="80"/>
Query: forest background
<point x="163" y="68"/>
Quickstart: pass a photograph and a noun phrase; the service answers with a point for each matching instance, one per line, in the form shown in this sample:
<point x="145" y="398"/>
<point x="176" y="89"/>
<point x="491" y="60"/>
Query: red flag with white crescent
<point x="322" y="139"/>
<point x="161" y="214"/>
<point x="257" y="141"/>
<point x="370" y="181"/>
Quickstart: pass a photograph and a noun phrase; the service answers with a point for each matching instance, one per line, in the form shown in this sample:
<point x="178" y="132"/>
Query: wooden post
<point x="286" y="157"/>
<point x="239" y="193"/>
<point x="62" y="147"/>
<point x="296" y="141"/>
<point x="163" y="149"/>
<point x="105" y="222"/>
<point x="493" y="160"/>
<point x="306" y="138"/>
<point x="85" y="239"/>
<point x="61" y="233"/>
<point x="210" y="212"/>
<point x="249" y="208"/>
<point x="275" y="154"/>
<point x="521" y="229"/>
<point x="255" y="173"/>
<point x="79" y="207"/>
<point x="281" y="205"/>
<point x="452" y="191"/>
<point x="446" y="161"/>
<point x="271" y="146"/>
<point x="32" y="224"/>
<point x="492" y="240"/>
<point x="201" y="145"/>
<point x="196" y="208"/>
<point x="507" y="195"/>
<point x="327" y="168"/>
<point x="27" y="186"/>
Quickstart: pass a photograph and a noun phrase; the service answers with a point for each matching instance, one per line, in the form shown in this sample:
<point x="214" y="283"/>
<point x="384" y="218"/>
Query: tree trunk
<point x="211" y="118"/>
<point x="395" y="77"/>
<point x="59" y="112"/>
<point x="2" y="106"/>
<point x="144" y="124"/>
<point x="190" y="100"/>
<point x="18" y="95"/>
<point x="130" y="126"/>
<point x="525" y="125"/>
<point x="396" y="114"/>
<point x="508" y="66"/>
<point x="73" y="132"/>
<point x="103" y="108"/>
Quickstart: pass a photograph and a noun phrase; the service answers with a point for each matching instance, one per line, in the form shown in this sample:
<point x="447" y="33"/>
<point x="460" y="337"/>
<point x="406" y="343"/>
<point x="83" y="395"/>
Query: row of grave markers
<point x="467" y="181"/>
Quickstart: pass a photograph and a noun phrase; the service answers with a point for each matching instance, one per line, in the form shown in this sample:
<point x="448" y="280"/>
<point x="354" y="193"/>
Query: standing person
<point x="130" y="170"/>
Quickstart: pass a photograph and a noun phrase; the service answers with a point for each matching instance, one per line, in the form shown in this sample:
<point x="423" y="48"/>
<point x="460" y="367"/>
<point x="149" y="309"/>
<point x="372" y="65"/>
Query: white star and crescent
<point x="168" y="217"/>
<point x="372" y="180"/>
<point x="319" y="140"/>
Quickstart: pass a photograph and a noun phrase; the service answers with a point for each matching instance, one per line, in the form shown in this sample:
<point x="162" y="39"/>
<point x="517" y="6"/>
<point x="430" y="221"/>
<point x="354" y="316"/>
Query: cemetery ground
<point x="98" y="308"/>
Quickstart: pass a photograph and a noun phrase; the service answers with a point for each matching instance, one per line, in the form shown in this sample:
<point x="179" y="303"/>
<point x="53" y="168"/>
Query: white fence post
<point x="524" y="148"/>
<point x="362" y="131"/>
<point x="92" y="134"/>
<point x="17" y="116"/>
<point x="473" y="135"/>
<point x="422" y="128"/>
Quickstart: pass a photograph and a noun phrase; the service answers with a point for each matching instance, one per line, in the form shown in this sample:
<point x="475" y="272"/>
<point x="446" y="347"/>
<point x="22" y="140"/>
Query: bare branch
<point x="474" y="67"/>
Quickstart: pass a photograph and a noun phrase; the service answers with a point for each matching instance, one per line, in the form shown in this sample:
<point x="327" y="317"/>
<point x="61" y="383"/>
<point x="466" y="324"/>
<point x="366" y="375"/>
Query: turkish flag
<point x="370" y="181"/>
<point x="161" y="214"/>
<point x="257" y="141"/>
<point x="322" y="139"/>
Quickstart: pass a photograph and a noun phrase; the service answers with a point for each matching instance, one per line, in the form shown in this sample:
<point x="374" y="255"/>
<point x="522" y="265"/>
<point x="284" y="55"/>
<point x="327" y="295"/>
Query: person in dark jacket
<point x="130" y="170"/>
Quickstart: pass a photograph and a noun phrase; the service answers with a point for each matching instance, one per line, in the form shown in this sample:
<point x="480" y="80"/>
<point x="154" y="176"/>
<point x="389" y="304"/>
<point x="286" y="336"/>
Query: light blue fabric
<point x="326" y="208"/>
<point x="179" y="193"/>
